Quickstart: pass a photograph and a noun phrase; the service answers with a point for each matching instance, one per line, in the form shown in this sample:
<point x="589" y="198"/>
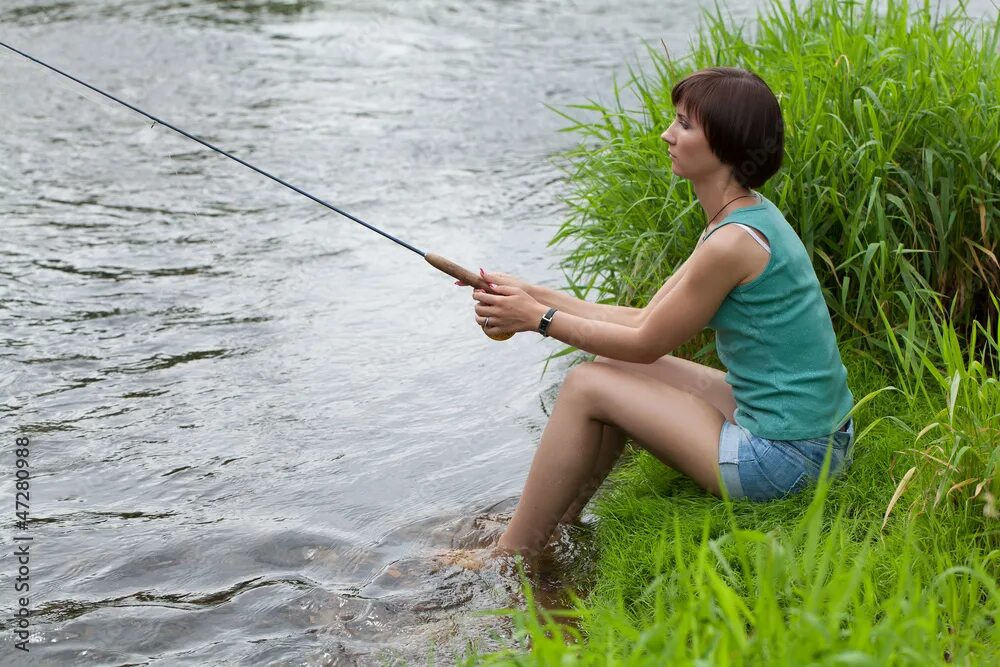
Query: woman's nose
<point x="665" y="137"/>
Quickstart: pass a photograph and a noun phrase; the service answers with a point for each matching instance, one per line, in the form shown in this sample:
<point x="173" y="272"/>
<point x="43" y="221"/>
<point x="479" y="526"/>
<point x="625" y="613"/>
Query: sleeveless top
<point x="775" y="337"/>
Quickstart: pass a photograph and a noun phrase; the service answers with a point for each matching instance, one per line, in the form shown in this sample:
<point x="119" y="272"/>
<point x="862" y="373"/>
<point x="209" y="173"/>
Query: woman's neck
<point x="718" y="200"/>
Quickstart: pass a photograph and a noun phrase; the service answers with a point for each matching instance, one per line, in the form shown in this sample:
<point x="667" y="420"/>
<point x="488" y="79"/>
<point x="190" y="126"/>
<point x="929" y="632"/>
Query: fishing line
<point x="437" y="261"/>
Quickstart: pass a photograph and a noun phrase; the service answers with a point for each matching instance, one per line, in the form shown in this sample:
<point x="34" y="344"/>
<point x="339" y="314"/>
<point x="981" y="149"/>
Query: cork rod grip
<point x="466" y="276"/>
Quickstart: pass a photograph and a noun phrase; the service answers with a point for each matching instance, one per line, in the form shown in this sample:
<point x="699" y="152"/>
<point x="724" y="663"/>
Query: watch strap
<point x="543" y="326"/>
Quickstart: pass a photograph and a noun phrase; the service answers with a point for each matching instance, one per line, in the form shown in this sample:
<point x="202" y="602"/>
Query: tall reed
<point x="891" y="174"/>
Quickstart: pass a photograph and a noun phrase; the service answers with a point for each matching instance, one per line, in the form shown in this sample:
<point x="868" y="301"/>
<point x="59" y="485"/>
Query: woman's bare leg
<point x="702" y="381"/>
<point x="612" y="443"/>
<point x="680" y="429"/>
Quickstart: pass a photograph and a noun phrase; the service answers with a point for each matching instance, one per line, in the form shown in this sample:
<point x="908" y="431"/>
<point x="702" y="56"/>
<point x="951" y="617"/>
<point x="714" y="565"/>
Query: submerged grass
<point x="892" y="179"/>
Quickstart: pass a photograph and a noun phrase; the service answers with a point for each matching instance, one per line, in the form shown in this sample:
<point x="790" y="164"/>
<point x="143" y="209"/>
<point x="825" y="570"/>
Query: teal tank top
<point x="775" y="337"/>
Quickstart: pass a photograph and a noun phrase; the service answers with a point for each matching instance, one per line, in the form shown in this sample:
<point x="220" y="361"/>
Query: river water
<point x="253" y="421"/>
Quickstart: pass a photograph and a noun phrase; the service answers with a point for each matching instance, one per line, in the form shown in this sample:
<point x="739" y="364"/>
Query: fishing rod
<point x="437" y="261"/>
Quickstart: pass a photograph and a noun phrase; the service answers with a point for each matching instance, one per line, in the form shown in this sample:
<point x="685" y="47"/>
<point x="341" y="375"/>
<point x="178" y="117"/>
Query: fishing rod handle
<point x="466" y="276"/>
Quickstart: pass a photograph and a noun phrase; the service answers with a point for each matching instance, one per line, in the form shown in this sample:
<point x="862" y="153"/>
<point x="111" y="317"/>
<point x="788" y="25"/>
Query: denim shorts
<point x="760" y="469"/>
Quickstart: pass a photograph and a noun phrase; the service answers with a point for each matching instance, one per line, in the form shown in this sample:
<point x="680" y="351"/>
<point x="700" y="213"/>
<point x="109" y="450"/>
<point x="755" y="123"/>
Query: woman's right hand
<point x="498" y="278"/>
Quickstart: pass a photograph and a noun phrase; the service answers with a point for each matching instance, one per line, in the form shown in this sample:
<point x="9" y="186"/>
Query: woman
<point x="761" y="429"/>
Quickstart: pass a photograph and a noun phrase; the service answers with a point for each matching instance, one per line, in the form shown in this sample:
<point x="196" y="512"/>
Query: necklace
<point x="717" y="214"/>
<point x="724" y="208"/>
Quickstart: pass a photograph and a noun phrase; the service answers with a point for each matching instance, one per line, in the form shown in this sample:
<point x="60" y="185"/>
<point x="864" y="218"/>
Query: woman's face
<point x="690" y="156"/>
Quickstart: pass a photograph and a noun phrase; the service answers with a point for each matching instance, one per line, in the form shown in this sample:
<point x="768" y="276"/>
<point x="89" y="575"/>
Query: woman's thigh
<point x="677" y="427"/>
<point x="708" y="384"/>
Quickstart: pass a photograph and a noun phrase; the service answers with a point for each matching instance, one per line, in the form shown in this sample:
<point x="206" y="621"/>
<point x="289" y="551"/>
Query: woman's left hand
<point x="510" y="310"/>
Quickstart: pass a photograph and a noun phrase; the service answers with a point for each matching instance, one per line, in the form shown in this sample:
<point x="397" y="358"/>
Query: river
<point x="253" y="421"/>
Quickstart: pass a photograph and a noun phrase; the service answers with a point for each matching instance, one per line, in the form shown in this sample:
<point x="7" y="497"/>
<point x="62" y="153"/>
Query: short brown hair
<point x="741" y="120"/>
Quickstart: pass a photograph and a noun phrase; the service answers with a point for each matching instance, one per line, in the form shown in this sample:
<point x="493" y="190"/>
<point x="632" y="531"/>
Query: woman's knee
<point x="585" y="378"/>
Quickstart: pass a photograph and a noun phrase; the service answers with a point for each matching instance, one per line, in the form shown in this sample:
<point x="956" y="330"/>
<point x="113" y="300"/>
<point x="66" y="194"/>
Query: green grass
<point x="844" y="573"/>
<point x="891" y="171"/>
<point x="892" y="180"/>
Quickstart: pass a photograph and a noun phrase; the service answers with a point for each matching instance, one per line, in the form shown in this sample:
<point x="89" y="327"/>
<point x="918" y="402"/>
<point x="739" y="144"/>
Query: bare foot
<point x="494" y="557"/>
<point x="470" y="559"/>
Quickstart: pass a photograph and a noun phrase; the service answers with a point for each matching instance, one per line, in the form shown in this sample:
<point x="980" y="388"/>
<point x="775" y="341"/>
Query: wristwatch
<point x="543" y="326"/>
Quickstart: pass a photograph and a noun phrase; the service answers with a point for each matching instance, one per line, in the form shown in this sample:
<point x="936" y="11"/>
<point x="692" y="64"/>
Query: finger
<point x="484" y="297"/>
<point x="488" y="276"/>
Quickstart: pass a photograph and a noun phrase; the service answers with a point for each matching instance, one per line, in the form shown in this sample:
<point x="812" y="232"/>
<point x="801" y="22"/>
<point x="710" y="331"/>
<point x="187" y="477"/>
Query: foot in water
<point x="470" y="559"/>
<point x="505" y="560"/>
<point x="475" y="559"/>
<point x="474" y="545"/>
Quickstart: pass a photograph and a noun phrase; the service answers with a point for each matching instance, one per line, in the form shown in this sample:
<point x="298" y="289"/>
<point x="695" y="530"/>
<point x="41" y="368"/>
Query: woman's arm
<point x="684" y="310"/>
<point x="566" y="303"/>
<point x="625" y="315"/>
<point x="662" y="292"/>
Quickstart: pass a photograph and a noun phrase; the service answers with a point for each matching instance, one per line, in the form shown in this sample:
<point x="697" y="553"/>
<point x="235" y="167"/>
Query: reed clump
<point x="892" y="167"/>
<point x="892" y="179"/>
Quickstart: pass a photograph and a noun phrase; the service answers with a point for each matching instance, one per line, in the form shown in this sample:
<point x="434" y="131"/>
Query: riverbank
<point x="891" y="179"/>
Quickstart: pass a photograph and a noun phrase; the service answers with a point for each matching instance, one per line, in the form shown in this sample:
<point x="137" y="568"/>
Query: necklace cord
<point x="724" y="208"/>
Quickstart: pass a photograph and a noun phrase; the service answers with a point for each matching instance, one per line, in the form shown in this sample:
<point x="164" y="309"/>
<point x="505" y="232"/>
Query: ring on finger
<point x="486" y="322"/>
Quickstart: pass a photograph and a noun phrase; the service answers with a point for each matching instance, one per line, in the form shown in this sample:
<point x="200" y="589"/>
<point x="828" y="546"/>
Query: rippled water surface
<point x="254" y="421"/>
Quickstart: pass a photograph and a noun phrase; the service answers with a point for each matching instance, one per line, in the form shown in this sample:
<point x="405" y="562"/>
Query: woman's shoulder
<point x="763" y="209"/>
<point x="765" y="217"/>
